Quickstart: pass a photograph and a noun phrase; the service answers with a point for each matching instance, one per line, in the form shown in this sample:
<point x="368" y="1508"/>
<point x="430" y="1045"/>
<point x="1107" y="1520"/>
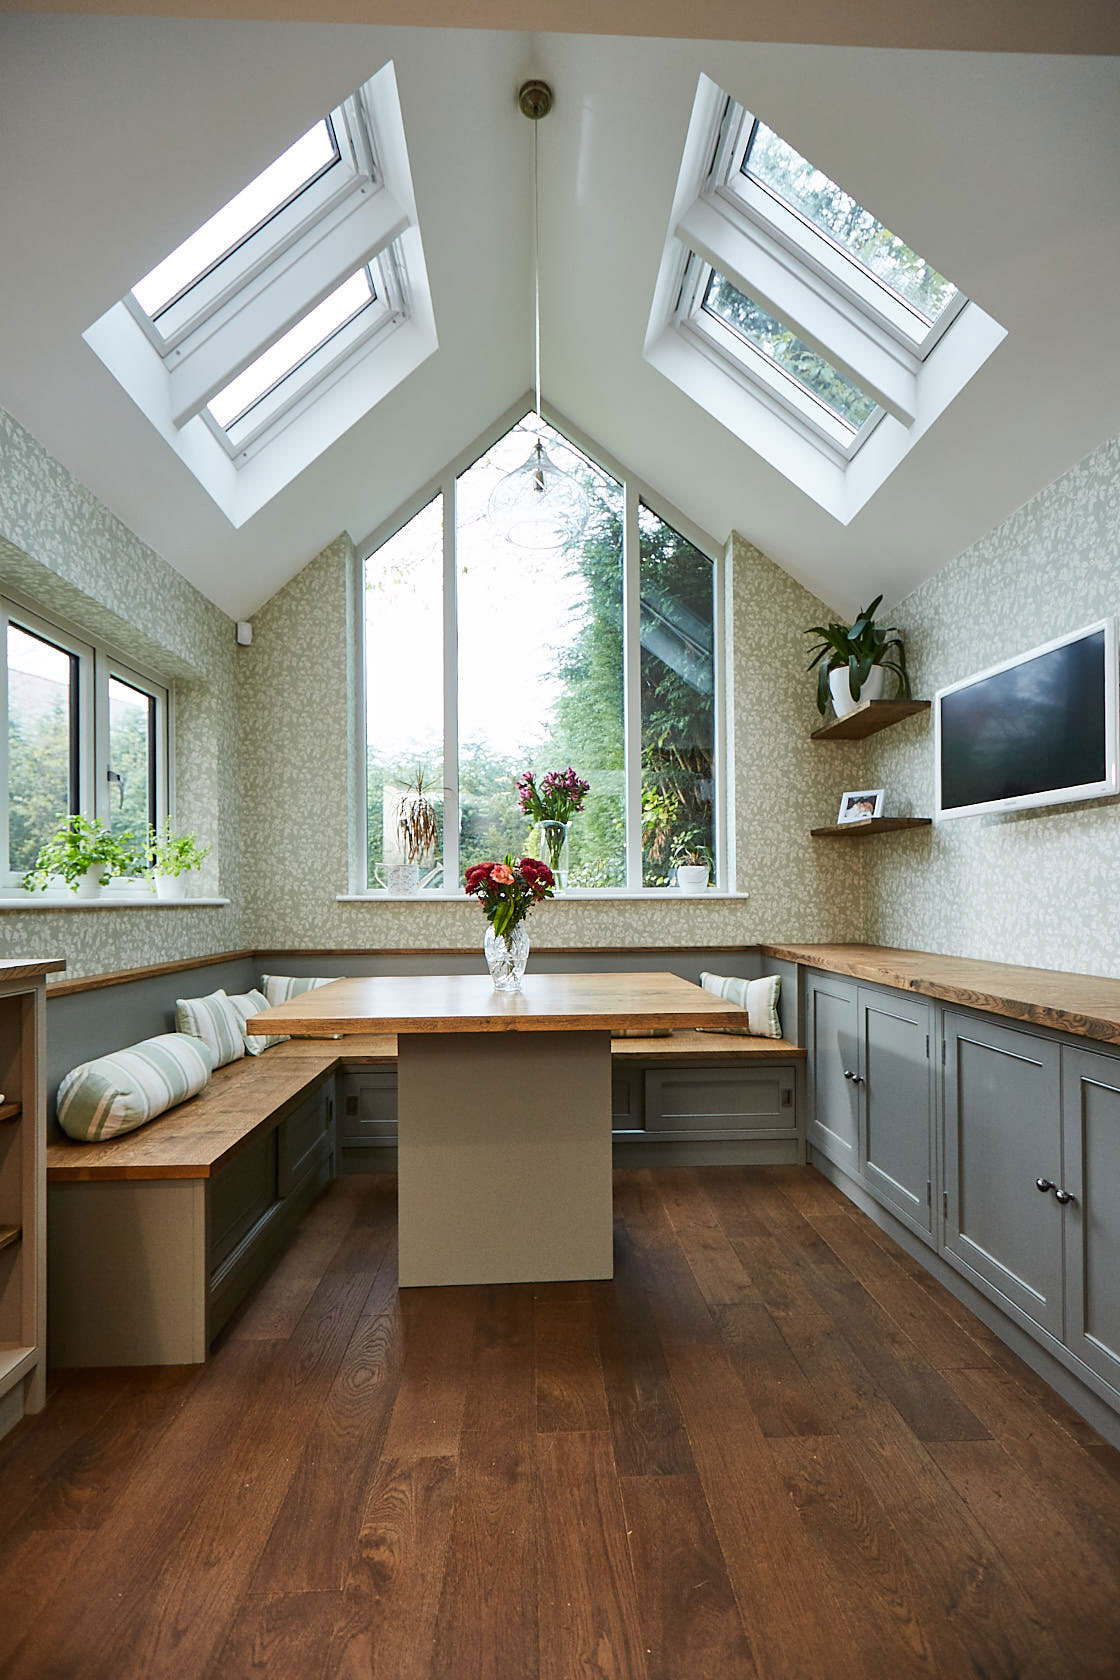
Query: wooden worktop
<point x="468" y="1003"/>
<point x="1086" y="1004"/>
<point x="30" y="968"/>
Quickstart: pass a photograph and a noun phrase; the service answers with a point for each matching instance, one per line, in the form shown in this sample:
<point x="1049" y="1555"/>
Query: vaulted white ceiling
<point x="118" y="136"/>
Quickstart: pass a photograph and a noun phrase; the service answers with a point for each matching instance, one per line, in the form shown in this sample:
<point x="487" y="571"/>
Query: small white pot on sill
<point x="692" y="877"/>
<point x="171" y="888"/>
<point x="89" y="884"/>
<point x="842" y="702"/>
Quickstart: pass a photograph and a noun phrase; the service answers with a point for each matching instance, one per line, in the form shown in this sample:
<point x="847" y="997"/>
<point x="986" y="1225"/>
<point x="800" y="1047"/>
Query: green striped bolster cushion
<point x="758" y="997"/>
<point x="278" y="988"/>
<point x="216" y="1022"/>
<point x="117" y="1093"/>
<point x="251" y="1003"/>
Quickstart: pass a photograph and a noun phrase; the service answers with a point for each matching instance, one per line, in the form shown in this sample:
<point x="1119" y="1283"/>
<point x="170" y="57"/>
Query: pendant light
<point x="537" y="504"/>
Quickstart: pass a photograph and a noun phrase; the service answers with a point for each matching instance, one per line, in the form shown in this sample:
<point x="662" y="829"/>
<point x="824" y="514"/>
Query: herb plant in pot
<point x="693" y="869"/>
<point x="851" y="661"/>
<point x="84" y="853"/>
<point x="173" y="857"/>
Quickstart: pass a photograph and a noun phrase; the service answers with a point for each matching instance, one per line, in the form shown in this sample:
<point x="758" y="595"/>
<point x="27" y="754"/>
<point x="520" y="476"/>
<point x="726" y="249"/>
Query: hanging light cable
<point x="537" y="505"/>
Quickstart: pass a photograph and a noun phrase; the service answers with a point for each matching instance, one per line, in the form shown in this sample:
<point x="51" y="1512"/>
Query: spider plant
<point x="859" y="646"/>
<point x="417" y="820"/>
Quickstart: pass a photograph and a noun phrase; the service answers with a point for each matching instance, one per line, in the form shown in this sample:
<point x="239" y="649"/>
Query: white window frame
<point x="636" y="493"/>
<point x="722" y="220"/>
<point x="361" y="212"/>
<point x="96" y="664"/>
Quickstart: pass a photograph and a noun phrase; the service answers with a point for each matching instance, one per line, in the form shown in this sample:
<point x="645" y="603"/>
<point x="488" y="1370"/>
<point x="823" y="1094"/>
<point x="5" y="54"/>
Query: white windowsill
<point x="58" y="901"/>
<point x="581" y="895"/>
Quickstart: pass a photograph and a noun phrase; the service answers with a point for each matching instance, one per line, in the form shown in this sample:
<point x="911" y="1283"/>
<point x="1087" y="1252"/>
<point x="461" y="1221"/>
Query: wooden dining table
<point x="503" y="1109"/>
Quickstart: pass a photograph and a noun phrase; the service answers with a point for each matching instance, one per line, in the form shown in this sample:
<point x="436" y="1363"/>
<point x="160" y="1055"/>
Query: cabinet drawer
<point x="239" y="1195"/>
<point x="302" y="1137"/>
<point x="720" y="1101"/>
<point x="367" y="1107"/>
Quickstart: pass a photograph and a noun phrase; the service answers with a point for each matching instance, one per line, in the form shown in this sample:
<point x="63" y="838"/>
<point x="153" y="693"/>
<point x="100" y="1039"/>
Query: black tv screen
<point x="1032" y="732"/>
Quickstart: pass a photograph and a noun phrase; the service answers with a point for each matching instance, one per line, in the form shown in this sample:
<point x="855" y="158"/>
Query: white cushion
<point x="759" y="998"/>
<point x="115" y="1094"/>
<point x="249" y="1004"/>
<point x="216" y="1022"/>
<point x="278" y="988"/>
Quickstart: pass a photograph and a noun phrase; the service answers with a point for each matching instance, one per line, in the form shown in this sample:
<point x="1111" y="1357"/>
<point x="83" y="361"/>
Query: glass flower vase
<point x="554" y="849"/>
<point x="506" y="955"/>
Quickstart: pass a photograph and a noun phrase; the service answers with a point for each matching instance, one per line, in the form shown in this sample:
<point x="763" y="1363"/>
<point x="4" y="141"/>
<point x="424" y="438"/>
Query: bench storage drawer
<point x="239" y="1196"/>
<point x="367" y="1107"/>
<point x="721" y="1102"/>
<point x="304" y="1137"/>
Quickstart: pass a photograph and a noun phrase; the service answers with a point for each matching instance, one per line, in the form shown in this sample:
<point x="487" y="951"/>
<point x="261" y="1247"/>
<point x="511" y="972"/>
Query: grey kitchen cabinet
<point x="871" y="1092"/>
<point x="896" y="1104"/>
<point x="832" y="1028"/>
<point x="1091" y="1180"/>
<point x="1003" y="1156"/>
<point x="367" y="1107"/>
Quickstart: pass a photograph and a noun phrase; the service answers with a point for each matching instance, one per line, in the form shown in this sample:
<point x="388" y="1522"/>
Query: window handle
<point x="115" y="779"/>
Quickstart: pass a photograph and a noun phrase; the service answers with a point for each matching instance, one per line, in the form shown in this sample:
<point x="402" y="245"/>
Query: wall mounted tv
<point x="1037" y="730"/>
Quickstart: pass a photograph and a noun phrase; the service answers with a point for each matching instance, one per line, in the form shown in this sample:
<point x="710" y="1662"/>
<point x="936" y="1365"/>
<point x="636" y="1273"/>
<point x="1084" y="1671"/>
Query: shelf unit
<point x="868" y="718"/>
<point x="873" y="825"/>
<point x="23" y="1180"/>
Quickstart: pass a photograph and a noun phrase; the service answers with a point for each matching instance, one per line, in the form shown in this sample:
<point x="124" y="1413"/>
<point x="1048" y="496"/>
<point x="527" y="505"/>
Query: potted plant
<point x="851" y="661"/>
<point x="417" y="834"/>
<point x="173" y="855"/>
<point x="83" y="852"/>
<point x="693" y="869"/>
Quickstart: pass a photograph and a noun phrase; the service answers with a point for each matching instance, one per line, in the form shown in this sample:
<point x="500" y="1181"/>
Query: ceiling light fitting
<point x="536" y="505"/>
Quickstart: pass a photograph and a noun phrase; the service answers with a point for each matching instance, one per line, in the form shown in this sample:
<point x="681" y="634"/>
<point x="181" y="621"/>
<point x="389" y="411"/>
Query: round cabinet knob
<point x="848" y="1074"/>
<point x="1045" y="1184"/>
<point x="857" y="1079"/>
<point x="1063" y="1196"/>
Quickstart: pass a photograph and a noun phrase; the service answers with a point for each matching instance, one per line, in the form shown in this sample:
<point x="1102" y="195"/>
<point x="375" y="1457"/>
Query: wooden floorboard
<point x="772" y="1447"/>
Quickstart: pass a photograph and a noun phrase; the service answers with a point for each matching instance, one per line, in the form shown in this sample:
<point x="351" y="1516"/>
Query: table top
<point x="468" y="1003"/>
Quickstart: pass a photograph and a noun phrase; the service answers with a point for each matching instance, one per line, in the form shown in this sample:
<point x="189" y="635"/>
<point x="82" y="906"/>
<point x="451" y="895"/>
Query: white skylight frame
<point x="797" y="274"/>
<point x="359" y="212"/>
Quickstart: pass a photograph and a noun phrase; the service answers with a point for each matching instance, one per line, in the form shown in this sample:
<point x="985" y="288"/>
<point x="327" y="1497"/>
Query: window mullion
<point x="5" y="859"/>
<point x="95" y="740"/>
<point x="632" y="682"/>
<point x="451" y="818"/>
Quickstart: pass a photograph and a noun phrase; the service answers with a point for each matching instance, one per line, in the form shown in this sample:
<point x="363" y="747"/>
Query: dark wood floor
<point x="773" y="1446"/>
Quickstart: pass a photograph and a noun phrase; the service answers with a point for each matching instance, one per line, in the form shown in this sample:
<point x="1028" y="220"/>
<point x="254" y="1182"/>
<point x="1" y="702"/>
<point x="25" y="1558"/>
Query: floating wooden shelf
<point x="9" y="1235"/>
<point x="10" y="1111"/>
<point x="875" y="825"/>
<point x="868" y="718"/>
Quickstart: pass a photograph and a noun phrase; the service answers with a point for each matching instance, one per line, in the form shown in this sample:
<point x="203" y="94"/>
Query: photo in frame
<point x="861" y="807"/>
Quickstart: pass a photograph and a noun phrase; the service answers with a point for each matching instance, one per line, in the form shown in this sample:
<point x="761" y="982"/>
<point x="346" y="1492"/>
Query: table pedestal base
<point x="504" y="1157"/>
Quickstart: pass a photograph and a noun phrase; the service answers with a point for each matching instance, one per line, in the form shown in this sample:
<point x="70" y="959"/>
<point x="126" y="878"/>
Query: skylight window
<point x="292" y="351"/>
<point x="770" y="160"/>
<point x="769" y="338"/>
<point x="796" y="318"/>
<point x="246" y="213"/>
<point x="288" y="314"/>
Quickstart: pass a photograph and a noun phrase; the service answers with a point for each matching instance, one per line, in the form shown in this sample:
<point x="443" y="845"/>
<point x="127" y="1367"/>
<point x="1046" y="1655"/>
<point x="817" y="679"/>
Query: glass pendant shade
<point x="538" y="504"/>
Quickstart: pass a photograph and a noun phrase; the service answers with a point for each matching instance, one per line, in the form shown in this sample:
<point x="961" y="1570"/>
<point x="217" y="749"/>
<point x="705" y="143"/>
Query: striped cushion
<point x="216" y="1022"/>
<point x="758" y="997"/>
<point x="117" y="1093"/>
<point x="251" y="1003"/>
<point x="278" y="988"/>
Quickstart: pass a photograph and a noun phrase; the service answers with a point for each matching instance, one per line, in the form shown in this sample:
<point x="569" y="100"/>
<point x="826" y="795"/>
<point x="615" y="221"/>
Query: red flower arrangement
<point x="507" y="891"/>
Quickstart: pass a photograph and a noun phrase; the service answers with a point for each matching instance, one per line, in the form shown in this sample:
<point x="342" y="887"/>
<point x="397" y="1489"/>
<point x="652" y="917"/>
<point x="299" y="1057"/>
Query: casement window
<point x="84" y="734"/>
<point x="288" y="314"/>
<point x="481" y="658"/>
<point x="795" y="317"/>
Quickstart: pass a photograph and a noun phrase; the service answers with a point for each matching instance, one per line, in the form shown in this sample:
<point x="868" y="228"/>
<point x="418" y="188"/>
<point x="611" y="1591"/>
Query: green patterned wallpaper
<point x="1036" y="887"/>
<point x="66" y="554"/>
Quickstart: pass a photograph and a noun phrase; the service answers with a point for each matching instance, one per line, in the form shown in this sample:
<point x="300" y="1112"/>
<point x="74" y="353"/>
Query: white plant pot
<point x="171" y="887"/>
<point x="398" y="879"/>
<point x="692" y="877"/>
<point x="89" y="884"/>
<point x="842" y="702"/>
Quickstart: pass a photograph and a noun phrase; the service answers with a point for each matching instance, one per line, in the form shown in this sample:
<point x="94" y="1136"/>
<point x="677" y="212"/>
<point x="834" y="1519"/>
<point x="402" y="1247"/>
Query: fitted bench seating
<point x="155" y="1237"/>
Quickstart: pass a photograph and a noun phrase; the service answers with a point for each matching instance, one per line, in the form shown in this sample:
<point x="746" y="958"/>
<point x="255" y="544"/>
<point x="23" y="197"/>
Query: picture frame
<point x="861" y="806"/>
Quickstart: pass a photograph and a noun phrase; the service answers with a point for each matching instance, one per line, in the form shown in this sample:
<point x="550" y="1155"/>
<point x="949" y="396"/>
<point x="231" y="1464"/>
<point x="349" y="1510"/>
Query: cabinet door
<point x="1002" y="1132"/>
<point x="721" y="1101"/>
<point x="897" y="1092"/>
<point x="367" y="1107"/>
<point x="833" y="1045"/>
<point x="1091" y="1174"/>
